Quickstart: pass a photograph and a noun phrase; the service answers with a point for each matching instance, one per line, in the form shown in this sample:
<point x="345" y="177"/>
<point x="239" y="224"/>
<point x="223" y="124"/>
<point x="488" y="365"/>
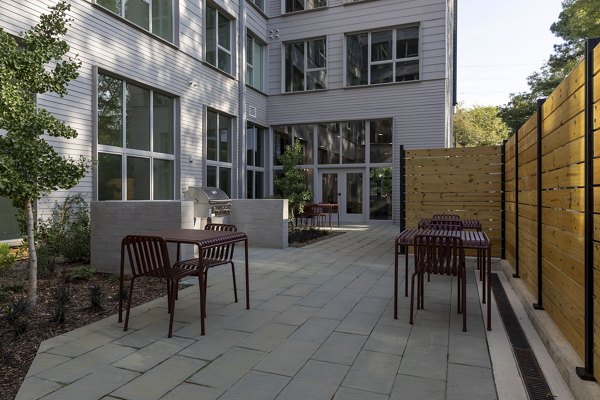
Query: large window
<point x="301" y="5"/>
<point x="9" y="227"/>
<point x="255" y="160"/>
<point x="381" y="141"/>
<point x="218" y="39"/>
<point x="254" y="62"/>
<point x="305" y="65"/>
<point x="136" y="130"/>
<point x="219" y="151"/>
<point x="155" y="16"/>
<point x="383" y="56"/>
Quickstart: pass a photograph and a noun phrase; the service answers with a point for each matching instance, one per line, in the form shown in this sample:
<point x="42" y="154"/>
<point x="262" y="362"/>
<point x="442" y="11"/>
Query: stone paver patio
<point x="320" y="327"/>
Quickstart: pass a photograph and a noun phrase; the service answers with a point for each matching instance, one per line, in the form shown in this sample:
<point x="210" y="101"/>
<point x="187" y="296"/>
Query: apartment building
<point x="179" y="93"/>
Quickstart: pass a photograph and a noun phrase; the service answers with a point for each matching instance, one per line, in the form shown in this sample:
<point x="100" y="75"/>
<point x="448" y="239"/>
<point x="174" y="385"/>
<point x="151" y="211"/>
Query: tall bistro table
<point x="476" y="240"/>
<point x="204" y="240"/>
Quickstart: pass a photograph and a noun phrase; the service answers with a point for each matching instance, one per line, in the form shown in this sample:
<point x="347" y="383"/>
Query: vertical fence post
<point x="402" y="192"/>
<point x="503" y="199"/>
<point x="516" y="274"/>
<point x="587" y="372"/>
<point x="539" y="305"/>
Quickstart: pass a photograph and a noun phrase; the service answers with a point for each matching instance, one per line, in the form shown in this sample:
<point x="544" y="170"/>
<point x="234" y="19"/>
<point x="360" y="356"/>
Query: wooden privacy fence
<point x="463" y="181"/>
<point x="552" y="215"/>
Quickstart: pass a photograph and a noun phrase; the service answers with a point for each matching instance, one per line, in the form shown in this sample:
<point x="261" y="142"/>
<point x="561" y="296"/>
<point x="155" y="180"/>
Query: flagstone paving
<point x="320" y="327"/>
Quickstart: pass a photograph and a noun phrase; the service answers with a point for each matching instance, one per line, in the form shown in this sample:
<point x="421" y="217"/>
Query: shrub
<point x="60" y="298"/>
<point x="7" y="258"/>
<point x="81" y="274"/>
<point x="62" y="295"/>
<point x="65" y="234"/>
<point x="14" y="312"/>
<point x="96" y="297"/>
<point x="58" y="313"/>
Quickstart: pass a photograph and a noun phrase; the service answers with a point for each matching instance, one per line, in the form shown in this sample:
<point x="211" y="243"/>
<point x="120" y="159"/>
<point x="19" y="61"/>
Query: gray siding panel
<point x="258" y="100"/>
<point x="112" y="45"/>
<point x="420" y="110"/>
<point x="335" y="22"/>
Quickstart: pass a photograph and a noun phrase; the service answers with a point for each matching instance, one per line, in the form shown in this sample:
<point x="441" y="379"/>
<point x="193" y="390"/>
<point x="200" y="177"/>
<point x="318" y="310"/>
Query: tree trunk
<point x="32" y="288"/>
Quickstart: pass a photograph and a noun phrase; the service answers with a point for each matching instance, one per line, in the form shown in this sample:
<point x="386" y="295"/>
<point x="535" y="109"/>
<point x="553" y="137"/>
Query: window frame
<point x="255" y="40"/>
<point x="285" y="12"/>
<point x="254" y="168"/>
<point x="230" y="51"/>
<point x="219" y="164"/>
<point x="305" y="65"/>
<point x="259" y="7"/>
<point x="394" y="60"/>
<point x="174" y="40"/>
<point x="125" y="152"/>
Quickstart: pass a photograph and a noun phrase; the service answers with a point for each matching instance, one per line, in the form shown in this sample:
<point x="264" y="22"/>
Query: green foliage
<point x="65" y="233"/>
<point x="16" y="287"/>
<point x="291" y="185"/>
<point x="81" y="274"/>
<point x="14" y="312"/>
<point x="60" y="298"/>
<point x="96" y="297"/>
<point x="7" y="258"/>
<point x="479" y="126"/>
<point x="579" y="19"/>
<point x="29" y="165"/>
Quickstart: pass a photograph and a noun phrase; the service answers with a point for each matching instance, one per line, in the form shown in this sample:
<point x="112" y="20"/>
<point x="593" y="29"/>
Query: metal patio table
<point x="206" y="239"/>
<point x="476" y="240"/>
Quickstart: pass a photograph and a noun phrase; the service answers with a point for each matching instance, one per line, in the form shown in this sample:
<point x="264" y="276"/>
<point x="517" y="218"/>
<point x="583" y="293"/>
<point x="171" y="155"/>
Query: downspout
<point x="240" y="184"/>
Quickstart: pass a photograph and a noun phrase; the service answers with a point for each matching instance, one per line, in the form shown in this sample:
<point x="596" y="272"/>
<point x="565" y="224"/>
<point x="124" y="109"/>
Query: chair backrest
<point x="444" y="225"/>
<point x="446" y="217"/>
<point x="148" y="255"/>
<point x="225" y="252"/>
<point x="439" y="254"/>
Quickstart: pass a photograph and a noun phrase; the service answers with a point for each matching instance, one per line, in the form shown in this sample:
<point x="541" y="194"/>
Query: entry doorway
<point x="346" y="189"/>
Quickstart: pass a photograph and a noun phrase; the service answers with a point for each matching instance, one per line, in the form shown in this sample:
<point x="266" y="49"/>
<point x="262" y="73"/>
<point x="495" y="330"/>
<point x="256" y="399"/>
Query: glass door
<point x="346" y="189"/>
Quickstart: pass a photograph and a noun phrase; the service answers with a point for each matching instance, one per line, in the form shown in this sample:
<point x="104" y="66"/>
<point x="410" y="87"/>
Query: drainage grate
<point x="533" y="378"/>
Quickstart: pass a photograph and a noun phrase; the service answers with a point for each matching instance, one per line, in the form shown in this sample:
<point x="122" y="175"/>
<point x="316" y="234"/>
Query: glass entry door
<point x="346" y="189"/>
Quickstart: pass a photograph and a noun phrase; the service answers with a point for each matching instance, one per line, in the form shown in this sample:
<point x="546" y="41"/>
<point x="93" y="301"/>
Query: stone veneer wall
<point x="265" y="221"/>
<point x="112" y="220"/>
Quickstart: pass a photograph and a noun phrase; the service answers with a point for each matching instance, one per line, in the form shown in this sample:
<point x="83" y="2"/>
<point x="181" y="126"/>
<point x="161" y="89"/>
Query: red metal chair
<point x="441" y="254"/>
<point x="215" y="256"/>
<point x="149" y="257"/>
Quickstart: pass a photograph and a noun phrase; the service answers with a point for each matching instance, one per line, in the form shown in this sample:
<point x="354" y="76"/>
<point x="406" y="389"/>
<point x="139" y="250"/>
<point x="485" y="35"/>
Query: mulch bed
<point x="304" y="237"/>
<point x="17" y="352"/>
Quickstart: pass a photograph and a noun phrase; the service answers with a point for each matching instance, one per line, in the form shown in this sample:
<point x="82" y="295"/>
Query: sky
<point x="501" y="43"/>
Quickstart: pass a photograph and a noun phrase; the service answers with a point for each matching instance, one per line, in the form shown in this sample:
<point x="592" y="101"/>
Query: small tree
<point x="291" y="185"/>
<point x="29" y="166"/>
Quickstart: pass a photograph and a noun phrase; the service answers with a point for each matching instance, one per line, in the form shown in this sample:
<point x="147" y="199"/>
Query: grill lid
<point x="214" y="193"/>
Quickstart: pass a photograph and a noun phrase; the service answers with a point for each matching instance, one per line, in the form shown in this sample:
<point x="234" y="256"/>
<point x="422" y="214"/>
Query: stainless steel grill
<point x="208" y="201"/>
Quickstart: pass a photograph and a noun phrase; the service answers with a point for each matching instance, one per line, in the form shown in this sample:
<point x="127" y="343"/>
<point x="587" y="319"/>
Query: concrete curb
<point x="559" y="349"/>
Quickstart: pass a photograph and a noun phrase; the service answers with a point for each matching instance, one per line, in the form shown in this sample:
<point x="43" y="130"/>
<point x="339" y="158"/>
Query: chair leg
<point x="458" y="292"/>
<point x="464" y="301"/>
<point x="412" y="296"/>
<point x="174" y="289"/>
<point x="129" y="304"/>
<point x="234" y="284"/>
<point x="205" y="280"/>
<point x="405" y="271"/>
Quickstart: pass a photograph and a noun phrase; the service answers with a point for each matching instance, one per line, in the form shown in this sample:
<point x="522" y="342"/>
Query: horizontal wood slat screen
<point x="462" y="181"/>
<point x="562" y="206"/>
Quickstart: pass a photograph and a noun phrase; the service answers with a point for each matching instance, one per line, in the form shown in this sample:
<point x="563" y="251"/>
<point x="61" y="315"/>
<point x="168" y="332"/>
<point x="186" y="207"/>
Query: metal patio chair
<point x="149" y="257"/>
<point x="441" y="254"/>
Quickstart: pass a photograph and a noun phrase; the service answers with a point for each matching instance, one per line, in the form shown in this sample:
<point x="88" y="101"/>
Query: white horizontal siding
<point x="112" y="45"/>
<point x="335" y="22"/>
